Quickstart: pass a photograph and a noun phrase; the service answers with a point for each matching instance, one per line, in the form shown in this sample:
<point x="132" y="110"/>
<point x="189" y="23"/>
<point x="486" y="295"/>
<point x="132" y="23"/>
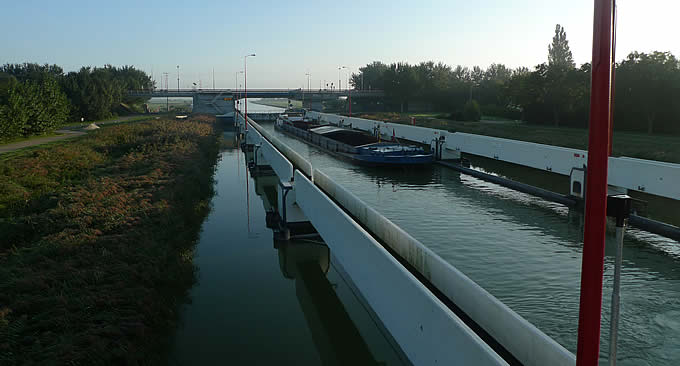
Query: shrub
<point x="471" y="112"/>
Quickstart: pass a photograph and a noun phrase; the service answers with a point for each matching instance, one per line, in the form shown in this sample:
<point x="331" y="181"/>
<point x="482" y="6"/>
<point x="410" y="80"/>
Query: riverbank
<point x="97" y="238"/>
<point x="635" y="145"/>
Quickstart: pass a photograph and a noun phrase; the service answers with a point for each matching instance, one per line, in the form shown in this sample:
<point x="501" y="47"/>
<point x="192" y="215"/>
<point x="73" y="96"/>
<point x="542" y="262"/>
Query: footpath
<point x="64" y="133"/>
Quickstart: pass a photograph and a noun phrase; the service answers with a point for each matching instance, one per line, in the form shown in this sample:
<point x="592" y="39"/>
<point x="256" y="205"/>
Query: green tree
<point x="400" y="83"/>
<point x="648" y="90"/>
<point x="472" y="111"/>
<point x="13" y="113"/>
<point x="560" y="64"/>
<point x="559" y="54"/>
<point x="370" y="77"/>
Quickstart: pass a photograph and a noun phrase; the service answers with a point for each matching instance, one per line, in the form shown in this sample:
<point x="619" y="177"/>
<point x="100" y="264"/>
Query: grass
<point x="634" y="145"/>
<point x="29" y="138"/>
<point x="96" y="242"/>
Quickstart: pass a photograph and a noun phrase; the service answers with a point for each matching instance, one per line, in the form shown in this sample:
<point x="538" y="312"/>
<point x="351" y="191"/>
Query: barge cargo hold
<point x="355" y="145"/>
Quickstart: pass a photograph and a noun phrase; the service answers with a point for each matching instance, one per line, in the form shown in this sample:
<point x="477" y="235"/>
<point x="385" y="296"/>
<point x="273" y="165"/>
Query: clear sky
<point x="293" y="37"/>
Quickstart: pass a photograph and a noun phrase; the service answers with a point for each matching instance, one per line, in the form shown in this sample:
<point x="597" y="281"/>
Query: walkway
<point x="65" y="133"/>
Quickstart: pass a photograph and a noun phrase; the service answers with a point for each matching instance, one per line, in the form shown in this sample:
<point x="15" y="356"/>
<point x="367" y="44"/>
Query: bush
<point x="471" y="112"/>
<point x="32" y="108"/>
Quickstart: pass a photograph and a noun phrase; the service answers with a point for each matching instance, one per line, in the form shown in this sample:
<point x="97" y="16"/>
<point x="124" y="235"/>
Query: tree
<point x="400" y="83"/>
<point x="559" y="54"/>
<point x="647" y="89"/>
<point x="560" y="63"/>
<point x="472" y="111"/>
<point x="370" y="77"/>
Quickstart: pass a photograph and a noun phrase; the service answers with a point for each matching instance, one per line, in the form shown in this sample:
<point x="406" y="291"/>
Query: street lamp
<point x="178" y="78"/>
<point x="236" y="87"/>
<point x="245" y="84"/>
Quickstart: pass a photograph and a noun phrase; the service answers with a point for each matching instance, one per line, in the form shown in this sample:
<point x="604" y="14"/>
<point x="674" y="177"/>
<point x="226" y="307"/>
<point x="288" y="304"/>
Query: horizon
<point x="492" y="31"/>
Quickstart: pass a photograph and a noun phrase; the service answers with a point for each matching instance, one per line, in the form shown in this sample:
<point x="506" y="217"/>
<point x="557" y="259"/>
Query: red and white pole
<point x="599" y="142"/>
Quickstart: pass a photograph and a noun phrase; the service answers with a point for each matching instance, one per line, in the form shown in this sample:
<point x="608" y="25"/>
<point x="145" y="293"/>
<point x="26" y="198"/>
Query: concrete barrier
<point x="519" y="337"/>
<point x="426" y="330"/>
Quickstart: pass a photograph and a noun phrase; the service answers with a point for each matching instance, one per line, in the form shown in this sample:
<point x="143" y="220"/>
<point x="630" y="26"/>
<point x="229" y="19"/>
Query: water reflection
<point x="307" y="262"/>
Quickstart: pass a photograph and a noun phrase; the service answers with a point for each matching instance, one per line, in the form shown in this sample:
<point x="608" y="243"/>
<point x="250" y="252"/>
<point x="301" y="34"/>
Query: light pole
<point x="339" y="80"/>
<point x="237" y="96"/>
<point x="245" y="84"/>
<point x="178" y="78"/>
<point x="167" y="101"/>
<point x="308" y="89"/>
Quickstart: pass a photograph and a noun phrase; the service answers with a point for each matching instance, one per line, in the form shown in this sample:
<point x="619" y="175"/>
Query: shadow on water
<point x="260" y="301"/>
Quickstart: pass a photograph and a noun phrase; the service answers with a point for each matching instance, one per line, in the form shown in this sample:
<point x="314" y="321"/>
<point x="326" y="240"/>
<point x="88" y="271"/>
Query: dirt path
<point x="65" y="134"/>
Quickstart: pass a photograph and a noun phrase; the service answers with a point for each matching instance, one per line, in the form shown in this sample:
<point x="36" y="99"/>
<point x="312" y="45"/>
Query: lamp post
<point x="245" y="85"/>
<point x="178" y="78"/>
<point x="308" y="89"/>
<point x="167" y="100"/>
<point x="236" y="87"/>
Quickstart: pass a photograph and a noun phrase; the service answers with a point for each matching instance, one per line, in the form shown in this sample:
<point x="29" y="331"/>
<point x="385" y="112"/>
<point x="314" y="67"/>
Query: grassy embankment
<point x="279" y="103"/>
<point x="634" y="145"/>
<point x="96" y="242"/>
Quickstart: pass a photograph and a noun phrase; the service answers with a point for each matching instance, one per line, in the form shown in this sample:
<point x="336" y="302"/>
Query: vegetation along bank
<point x="96" y="242"/>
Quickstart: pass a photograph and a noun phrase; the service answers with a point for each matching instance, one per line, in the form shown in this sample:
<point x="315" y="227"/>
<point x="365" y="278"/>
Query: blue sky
<point x="293" y="37"/>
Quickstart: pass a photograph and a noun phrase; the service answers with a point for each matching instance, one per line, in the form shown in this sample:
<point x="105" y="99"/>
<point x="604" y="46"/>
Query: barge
<point x="353" y="145"/>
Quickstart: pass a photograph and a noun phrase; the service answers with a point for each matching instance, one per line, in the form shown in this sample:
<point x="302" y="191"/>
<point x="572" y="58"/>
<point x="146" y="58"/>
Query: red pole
<point x="596" y="186"/>
<point x="611" y="126"/>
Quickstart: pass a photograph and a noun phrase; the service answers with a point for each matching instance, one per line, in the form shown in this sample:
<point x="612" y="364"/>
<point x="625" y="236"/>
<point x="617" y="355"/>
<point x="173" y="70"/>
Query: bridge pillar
<point x="213" y="103"/>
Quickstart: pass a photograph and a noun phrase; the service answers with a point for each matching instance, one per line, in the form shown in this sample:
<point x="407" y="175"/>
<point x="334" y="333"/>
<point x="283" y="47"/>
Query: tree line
<point x="556" y="92"/>
<point x="38" y="98"/>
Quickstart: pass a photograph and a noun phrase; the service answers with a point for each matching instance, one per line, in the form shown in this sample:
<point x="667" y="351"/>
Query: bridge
<point x="221" y="101"/>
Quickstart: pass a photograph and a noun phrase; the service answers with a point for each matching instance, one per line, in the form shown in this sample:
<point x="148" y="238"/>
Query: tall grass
<point x="96" y="242"/>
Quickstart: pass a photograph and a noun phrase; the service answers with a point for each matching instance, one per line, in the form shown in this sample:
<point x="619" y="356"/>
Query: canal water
<point x="523" y="250"/>
<point x="258" y="302"/>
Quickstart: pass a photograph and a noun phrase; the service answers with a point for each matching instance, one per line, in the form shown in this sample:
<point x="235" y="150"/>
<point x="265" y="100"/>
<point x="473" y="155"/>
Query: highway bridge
<point x="221" y="101"/>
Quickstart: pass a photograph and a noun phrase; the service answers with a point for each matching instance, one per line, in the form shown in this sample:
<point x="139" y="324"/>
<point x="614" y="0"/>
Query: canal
<point x="523" y="250"/>
<point x="257" y="302"/>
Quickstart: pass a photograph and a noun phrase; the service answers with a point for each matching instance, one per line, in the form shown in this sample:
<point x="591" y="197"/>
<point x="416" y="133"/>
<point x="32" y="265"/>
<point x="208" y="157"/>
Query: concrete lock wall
<point x="426" y="330"/>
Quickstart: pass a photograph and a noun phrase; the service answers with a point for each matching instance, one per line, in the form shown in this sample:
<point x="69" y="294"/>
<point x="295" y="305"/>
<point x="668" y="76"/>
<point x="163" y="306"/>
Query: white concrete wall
<point x="426" y="330"/>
